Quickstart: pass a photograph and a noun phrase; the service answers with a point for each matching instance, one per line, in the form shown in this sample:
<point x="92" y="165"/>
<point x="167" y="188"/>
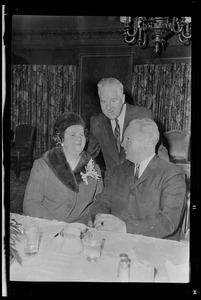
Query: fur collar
<point x="56" y="160"/>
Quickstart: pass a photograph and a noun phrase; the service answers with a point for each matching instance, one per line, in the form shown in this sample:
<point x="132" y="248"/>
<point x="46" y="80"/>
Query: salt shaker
<point x="123" y="255"/>
<point x="124" y="270"/>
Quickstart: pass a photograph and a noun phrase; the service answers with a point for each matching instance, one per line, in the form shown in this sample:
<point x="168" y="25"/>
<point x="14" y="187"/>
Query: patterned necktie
<point x="117" y="134"/>
<point x="137" y="170"/>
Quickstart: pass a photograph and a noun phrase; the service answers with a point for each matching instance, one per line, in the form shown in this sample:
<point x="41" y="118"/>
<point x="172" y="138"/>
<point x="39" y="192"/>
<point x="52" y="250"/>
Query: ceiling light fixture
<point x="159" y="29"/>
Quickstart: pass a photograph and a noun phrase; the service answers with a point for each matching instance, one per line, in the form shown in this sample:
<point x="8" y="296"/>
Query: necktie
<point x="137" y="170"/>
<point x="117" y="134"/>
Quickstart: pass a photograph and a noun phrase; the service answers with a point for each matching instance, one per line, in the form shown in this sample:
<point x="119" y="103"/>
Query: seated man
<point x="149" y="203"/>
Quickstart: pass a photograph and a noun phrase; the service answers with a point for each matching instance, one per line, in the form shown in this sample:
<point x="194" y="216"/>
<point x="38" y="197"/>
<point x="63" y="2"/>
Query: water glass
<point x="92" y="246"/>
<point x="31" y="239"/>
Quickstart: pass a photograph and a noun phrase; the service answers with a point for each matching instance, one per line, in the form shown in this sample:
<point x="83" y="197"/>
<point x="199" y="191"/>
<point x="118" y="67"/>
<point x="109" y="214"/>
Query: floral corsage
<point x="90" y="171"/>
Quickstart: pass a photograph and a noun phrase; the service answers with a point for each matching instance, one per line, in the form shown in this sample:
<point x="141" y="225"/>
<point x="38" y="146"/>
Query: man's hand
<point x="110" y="223"/>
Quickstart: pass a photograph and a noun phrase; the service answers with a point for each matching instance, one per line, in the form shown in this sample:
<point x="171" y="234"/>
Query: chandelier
<point x="159" y="29"/>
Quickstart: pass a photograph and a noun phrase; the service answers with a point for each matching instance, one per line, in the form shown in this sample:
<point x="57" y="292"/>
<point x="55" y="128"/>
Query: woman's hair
<point x="64" y="121"/>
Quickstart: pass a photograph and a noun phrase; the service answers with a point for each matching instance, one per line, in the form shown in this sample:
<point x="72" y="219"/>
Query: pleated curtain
<point x="39" y="94"/>
<point x="166" y="90"/>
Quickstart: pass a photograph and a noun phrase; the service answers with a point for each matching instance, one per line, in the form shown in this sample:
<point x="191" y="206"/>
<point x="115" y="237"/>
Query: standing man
<point x="146" y="194"/>
<point x="108" y="127"/>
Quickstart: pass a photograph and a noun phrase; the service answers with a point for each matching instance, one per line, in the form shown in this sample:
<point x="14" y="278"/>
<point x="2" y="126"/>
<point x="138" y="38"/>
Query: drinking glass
<point x="92" y="246"/>
<point x="31" y="239"/>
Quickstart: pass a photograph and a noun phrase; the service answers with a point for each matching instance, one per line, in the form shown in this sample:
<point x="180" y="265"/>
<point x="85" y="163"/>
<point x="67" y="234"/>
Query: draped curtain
<point x="166" y="90"/>
<point x="39" y="94"/>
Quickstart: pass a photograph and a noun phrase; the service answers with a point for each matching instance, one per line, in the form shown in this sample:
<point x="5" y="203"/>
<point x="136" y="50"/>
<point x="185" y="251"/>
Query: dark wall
<point x="68" y="54"/>
<point x="93" y="67"/>
<point x="43" y="57"/>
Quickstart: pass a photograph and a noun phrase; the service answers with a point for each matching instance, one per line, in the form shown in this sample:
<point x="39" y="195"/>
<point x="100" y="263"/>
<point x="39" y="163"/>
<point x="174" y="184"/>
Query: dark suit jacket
<point x="102" y="137"/>
<point x="153" y="206"/>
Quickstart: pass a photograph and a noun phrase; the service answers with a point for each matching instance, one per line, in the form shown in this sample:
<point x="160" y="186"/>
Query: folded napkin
<point x="177" y="273"/>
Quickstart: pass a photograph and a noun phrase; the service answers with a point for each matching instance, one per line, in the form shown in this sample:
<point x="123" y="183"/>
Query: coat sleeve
<point x="166" y="220"/>
<point x="33" y="198"/>
<point x="99" y="181"/>
<point x="93" y="147"/>
<point x="99" y="188"/>
<point x="102" y="204"/>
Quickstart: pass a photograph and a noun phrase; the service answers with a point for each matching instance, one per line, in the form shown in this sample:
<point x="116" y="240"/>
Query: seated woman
<point x="63" y="183"/>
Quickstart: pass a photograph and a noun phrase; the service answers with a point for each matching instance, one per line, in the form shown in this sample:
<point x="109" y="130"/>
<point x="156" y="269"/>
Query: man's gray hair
<point x="147" y="127"/>
<point x="110" y="81"/>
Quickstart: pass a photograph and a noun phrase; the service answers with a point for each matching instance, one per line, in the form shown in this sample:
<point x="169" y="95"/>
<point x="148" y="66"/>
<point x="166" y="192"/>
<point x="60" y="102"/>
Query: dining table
<point x="169" y="259"/>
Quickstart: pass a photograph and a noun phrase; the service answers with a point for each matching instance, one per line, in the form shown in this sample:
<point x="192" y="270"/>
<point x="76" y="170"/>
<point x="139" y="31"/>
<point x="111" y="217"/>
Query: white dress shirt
<point x="144" y="164"/>
<point x="121" y="121"/>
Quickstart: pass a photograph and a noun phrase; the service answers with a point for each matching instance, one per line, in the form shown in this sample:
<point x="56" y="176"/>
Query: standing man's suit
<point x="102" y="137"/>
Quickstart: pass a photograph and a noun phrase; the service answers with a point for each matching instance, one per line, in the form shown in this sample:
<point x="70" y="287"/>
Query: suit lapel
<point x="147" y="172"/>
<point x="144" y="176"/>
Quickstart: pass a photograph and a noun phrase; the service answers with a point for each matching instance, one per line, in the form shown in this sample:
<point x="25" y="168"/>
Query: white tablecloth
<point x="169" y="258"/>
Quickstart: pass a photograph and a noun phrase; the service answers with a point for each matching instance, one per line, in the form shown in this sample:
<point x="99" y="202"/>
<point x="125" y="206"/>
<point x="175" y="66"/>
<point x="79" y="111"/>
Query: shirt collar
<point x="144" y="163"/>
